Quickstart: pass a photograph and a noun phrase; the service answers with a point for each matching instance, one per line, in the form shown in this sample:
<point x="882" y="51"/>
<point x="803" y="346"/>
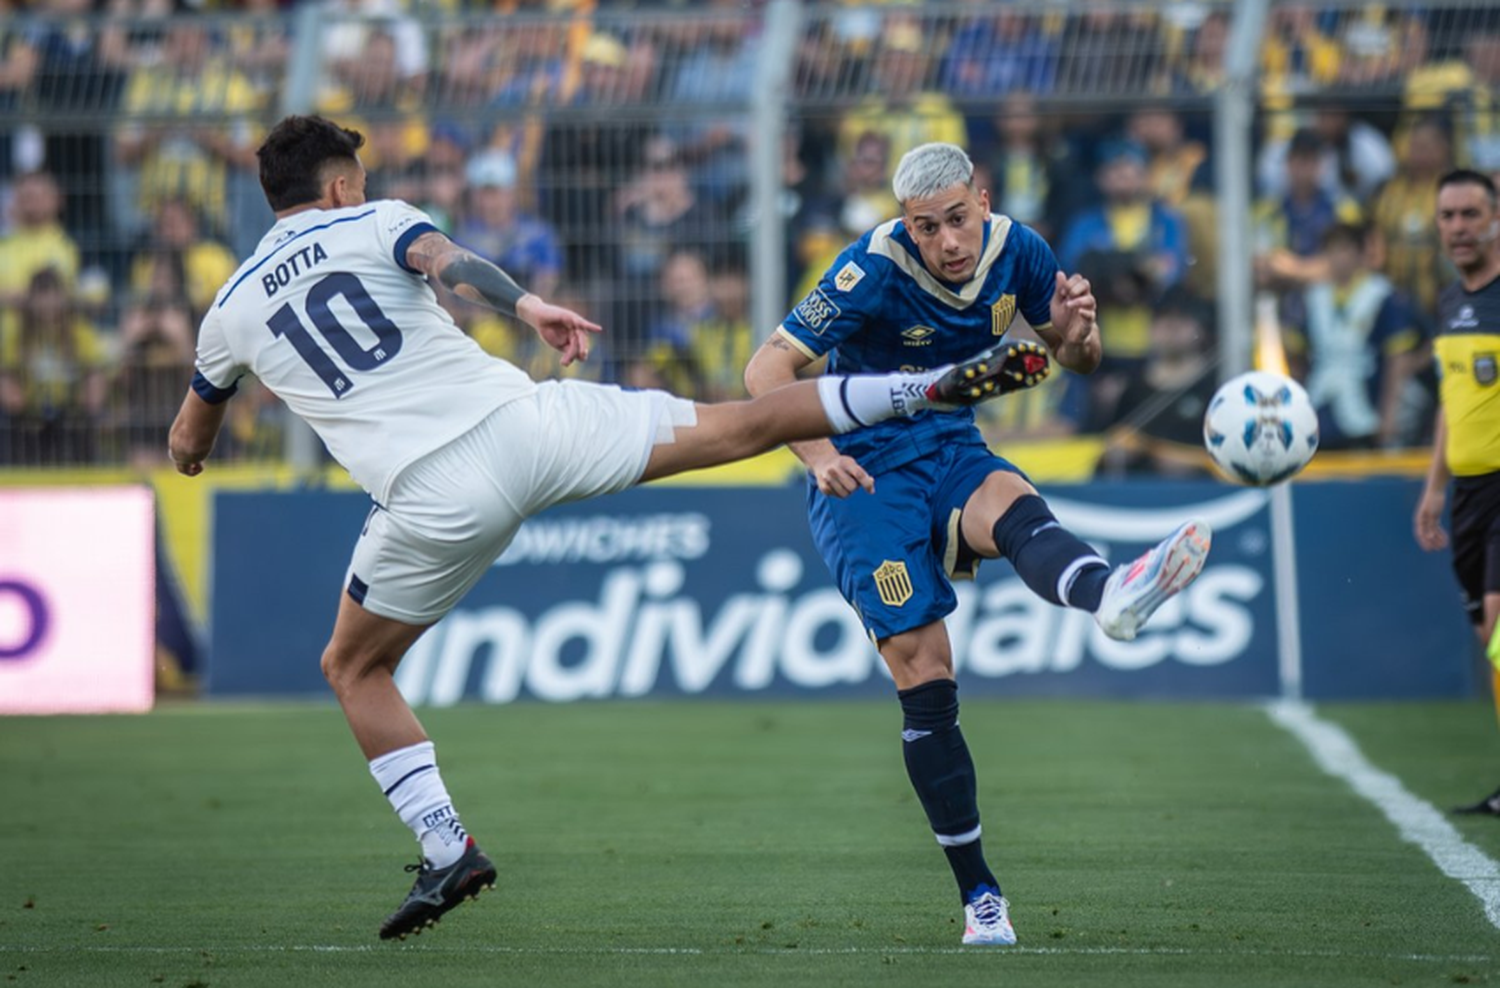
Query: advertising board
<point x="77" y="601"/>
<point x="719" y="592"/>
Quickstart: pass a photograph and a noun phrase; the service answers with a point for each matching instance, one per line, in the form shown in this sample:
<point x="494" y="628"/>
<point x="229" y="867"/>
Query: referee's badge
<point x="893" y="582"/>
<point x="1484" y="368"/>
<point x="1002" y="314"/>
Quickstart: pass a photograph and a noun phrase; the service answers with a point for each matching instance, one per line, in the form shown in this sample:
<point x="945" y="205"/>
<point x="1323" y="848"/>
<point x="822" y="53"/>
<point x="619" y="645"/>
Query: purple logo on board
<point x="34" y="620"/>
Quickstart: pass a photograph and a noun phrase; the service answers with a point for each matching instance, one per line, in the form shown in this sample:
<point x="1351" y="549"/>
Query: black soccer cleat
<point x="1001" y="369"/>
<point x="438" y="890"/>
<point x="1488" y="806"/>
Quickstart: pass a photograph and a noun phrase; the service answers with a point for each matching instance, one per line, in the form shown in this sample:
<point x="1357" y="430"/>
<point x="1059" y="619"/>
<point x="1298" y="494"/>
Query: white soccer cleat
<point x="987" y="920"/>
<point x="1134" y="591"/>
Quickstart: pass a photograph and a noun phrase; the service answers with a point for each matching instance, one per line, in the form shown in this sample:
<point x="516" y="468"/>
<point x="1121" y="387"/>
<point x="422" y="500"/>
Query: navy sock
<point x="1057" y="565"/>
<point x="942" y="773"/>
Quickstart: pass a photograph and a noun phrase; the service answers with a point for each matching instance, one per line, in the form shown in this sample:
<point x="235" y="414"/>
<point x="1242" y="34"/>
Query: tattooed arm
<point x="474" y="279"/>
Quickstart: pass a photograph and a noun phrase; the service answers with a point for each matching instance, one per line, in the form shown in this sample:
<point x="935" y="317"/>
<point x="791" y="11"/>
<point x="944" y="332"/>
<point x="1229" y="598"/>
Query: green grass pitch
<point x="755" y="844"/>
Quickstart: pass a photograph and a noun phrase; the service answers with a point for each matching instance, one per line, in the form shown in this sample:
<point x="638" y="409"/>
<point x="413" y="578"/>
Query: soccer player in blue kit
<point x="900" y="508"/>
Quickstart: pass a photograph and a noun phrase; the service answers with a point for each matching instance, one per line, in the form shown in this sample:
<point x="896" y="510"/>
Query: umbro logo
<point x="918" y="336"/>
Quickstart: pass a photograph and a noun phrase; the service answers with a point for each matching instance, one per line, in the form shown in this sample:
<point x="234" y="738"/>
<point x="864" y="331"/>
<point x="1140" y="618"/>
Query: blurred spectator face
<point x="176" y="226"/>
<point x="1010" y="26"/>
<point x="1333" y="125"/>
<point x="868" y="165"/>
<point x="1467" y="224"/>
<point x="1123" y="180"/>
<point x="447" y="156"/>
<point x="664" y="180"/>
<point x="46" y="298"/>
<point x="387" y="140"/>
<point x="1175" y="335"/>
<point x="36" y="200"/>
<point x="949" y="230"/>
<point x="185" y="47"/>
<point x="640" y="70"/>
<point x="495" y="205"/>
<point x="684" y="282"/>
<point x="164" y="285"/>
<point x="902" y="63"/>
<point x="1295" y="20"/>
<point x="1302" y="174"/>
<point x="492" y="179"/>
<point x="449" y="147"/>
<point x="1156" y="130"/>
<point x="375" y="72"/>
<point x="1428" y="151"/>
<point x="604" y="61"/>
<point x="1018" y="123"/>
<point x="731" y="291"/>
<point x="1209" y="42"/>
<point x="1484" y="56"/>
<point x="1344" y="259"/>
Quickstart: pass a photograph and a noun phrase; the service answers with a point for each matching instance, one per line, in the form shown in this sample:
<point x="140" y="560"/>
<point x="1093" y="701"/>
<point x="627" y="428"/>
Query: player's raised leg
<point x="834" y="405"/>
<point x="1006" y="517"/>
<point x="360" y="663"/>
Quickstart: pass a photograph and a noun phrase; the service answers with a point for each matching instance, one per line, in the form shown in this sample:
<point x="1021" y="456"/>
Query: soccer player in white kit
<point x="335" y="314"/>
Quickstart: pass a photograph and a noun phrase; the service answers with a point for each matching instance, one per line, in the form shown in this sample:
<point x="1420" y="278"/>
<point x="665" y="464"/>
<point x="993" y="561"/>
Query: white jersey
<point x="329" y="317"/>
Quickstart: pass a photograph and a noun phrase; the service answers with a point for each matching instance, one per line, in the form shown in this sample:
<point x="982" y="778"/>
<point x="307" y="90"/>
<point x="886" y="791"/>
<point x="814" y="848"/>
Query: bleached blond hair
<point x="928" y="169"/>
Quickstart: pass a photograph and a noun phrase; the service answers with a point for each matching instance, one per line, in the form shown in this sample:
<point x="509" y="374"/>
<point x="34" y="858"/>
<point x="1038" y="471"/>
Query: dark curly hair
<point x="296" y="154"/>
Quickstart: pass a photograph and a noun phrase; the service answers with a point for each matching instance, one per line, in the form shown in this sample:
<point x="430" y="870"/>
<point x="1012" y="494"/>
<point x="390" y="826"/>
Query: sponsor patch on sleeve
<point x="849" y="276"/>
<point x="816" y="311"/>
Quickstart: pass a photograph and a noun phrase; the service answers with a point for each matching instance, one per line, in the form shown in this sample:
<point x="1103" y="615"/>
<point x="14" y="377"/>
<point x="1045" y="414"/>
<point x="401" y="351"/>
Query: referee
<point x="1466" y="448"/>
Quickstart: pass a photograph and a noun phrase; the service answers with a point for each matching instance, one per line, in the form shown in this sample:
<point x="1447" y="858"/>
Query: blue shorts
<point x="894" y="552"/>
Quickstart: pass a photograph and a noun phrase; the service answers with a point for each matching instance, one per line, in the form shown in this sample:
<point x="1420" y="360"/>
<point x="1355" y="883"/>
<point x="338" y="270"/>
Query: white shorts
<point x="451" y="514"/>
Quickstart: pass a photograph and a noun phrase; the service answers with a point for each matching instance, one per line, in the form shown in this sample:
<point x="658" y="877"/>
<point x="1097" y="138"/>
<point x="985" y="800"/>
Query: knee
<point x="345" y="668"/>
<point x="991" y="502"/>
<point x="913" y="666"/>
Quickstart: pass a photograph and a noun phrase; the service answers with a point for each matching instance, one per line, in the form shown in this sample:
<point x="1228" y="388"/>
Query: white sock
<point x="410" y="780"/>
<point x="864" y="399"/>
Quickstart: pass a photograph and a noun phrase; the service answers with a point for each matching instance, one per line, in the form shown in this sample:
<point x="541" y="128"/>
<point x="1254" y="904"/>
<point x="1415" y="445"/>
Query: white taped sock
<point x="409" y="778"/>
<point x="864" y="399"/>
<point x="831" y="393"/>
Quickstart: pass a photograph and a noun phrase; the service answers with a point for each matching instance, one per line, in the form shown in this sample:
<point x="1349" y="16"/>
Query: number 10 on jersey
<point x="285" y="323"/>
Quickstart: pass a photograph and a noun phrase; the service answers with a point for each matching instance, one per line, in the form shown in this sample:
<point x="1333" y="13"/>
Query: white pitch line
<point x="1418" y="821"/>
<point x="749" y="951"/>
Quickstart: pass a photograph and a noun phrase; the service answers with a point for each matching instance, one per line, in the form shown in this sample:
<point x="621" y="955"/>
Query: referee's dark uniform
<point x="1467" y="350"/>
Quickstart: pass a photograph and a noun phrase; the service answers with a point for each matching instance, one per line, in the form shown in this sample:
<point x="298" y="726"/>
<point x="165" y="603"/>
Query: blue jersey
<point x="878" y="309"/>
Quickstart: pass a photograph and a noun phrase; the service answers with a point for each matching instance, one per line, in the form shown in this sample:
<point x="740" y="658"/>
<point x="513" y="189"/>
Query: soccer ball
<point x="1260" y="428"/>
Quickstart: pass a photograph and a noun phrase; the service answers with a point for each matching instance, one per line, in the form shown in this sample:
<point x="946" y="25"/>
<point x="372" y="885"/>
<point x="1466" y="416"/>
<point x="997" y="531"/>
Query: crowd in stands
<point x="599" y="151"/>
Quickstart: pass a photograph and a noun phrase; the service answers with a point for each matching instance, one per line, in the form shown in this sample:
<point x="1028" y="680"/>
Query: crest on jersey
<point x="817" y="309"/>
<point x="849" y="276"/>
<point x="1002" y="314"/>
<point x="1484" y="368"/>
<point x="893" y="582"/>
<point x="918" y="335"/>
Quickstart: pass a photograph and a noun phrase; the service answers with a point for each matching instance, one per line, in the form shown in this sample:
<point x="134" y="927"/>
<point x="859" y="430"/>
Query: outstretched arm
<point x="471" y="277"/>
<point x="194" y="432"/>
